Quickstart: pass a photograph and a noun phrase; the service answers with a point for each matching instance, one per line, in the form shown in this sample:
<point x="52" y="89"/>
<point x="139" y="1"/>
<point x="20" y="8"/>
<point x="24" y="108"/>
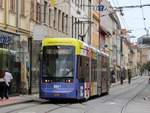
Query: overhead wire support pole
<point x="134" y="6"/>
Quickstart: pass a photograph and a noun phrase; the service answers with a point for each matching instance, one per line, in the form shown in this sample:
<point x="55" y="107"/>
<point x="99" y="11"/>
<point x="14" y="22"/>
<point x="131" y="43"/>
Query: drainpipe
<point x="17" y="15"/>
<point x="89" y="13"/>
<point x="5" y="14"/>
<point x="99" y="27"/>
<point x="30" y="66"/>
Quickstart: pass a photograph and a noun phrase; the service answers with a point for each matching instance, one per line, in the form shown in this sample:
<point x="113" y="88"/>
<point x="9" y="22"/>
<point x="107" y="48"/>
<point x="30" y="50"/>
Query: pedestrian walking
<point x="2" y="85"/>
<point x="129" y="76"/>
<point x="113" y="77"/>
<point x="7" y="78"/>
<point x="122" y="75"/>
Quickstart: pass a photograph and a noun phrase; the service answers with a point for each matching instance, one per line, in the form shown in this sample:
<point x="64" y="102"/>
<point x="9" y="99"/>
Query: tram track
<point x="113" y="97"/>
<point x="58" y="106"/>
<point x="109" y="99"/>
<point x="51" y="110"/>
<point x="23" y="108"/>
<point x="123" y="109"/>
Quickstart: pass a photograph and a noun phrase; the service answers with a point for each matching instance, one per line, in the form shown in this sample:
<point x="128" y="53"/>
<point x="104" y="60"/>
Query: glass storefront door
<point x="9" y="58"/>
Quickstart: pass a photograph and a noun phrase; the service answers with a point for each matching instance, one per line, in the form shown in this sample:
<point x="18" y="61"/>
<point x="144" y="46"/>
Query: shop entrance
<point x="9" y="58"/>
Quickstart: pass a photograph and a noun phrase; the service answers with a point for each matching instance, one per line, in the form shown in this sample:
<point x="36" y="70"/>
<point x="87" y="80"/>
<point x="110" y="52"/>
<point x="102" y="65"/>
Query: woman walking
<point x="2" y="85"/>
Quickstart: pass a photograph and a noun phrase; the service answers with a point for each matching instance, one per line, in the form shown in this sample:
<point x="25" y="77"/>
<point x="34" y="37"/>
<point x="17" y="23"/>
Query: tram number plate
<point x="57" y="86"/>
<point x="56" y="94"/>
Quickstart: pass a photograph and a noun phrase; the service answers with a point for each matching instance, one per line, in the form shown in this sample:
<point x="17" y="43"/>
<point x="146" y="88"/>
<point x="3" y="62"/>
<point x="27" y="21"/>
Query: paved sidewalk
<point x="125" y="81"/>
<point x="18" y="99"/>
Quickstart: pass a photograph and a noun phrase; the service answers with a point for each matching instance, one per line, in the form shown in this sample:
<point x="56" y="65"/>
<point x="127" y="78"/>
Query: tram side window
<point x="105" y="66"/>
<point x="83" y="69"/>
<point x="103" y="69"/>
<point x="94" y="70"/>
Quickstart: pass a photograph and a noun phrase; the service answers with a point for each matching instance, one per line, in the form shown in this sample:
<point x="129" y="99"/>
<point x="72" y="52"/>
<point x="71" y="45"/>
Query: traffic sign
<point x="100" y="7"/>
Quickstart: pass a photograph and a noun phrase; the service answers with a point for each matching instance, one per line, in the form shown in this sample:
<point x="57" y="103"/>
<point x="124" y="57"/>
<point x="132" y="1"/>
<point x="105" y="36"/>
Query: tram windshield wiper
<point x="68" y="72"/>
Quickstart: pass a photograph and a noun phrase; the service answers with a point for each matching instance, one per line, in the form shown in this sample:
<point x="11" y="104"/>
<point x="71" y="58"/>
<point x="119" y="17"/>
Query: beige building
<point x="95" y="38"/>
<point x="144" y="54"/>
<point x="19" y="21"/>
<point x="134" y="59"/>
<point x="80" y="16"/>
<point x="24" y="23"/>
<point x="125" y="53"/>
<point x="109" y="36"/>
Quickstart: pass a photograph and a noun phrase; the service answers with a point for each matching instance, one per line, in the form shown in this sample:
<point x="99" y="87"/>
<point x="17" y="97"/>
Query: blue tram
<point x="70" y="69"/>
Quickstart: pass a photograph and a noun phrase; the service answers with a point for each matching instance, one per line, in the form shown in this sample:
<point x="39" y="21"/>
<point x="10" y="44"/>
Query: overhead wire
<point x="116" y="3"/>
<point x="143" y="15"/>
<point x="123" y="19"/>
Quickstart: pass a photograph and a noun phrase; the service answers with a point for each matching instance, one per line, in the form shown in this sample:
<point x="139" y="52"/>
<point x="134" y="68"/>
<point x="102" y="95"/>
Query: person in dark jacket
<point x="113" y="78"/>
<point x="7" y="78"/>
<point x="129" y="76"/>
<point x="2" y="86"/>
<point x="122" y="75"/>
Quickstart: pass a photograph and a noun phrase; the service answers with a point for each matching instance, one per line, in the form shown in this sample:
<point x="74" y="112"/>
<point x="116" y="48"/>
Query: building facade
<point x="81" y="20"/>
<point x="95" y="32"/>
<point x="23" y="24"/>
<point x="110" y="36"/>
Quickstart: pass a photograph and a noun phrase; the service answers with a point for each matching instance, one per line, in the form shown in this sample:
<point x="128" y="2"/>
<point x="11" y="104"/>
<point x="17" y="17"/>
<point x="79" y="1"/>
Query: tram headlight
<point x="69" y="81"/>
<point x="46" y="81"/>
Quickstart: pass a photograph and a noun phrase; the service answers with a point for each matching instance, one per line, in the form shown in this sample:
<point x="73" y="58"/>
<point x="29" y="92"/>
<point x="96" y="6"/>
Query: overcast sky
<point x="133" y="17"/>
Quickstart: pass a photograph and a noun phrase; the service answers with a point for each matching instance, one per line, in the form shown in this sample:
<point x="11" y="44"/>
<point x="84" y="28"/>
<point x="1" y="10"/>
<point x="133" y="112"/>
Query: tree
<point x="143" y="67"/>
<point x="147" y="66"/>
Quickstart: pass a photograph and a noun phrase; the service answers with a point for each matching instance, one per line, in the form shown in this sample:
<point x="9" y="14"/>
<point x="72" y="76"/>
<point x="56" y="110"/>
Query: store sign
<point x="5" y="39"/>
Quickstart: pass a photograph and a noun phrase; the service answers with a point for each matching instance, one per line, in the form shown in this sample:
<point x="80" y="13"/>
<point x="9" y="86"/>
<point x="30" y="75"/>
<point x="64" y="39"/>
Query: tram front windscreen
<point x="58" y="63"/>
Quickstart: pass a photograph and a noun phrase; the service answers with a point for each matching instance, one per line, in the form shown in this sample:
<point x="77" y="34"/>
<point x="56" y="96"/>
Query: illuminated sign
<point x="5" y="39"/>
<point x="59" y="51"/>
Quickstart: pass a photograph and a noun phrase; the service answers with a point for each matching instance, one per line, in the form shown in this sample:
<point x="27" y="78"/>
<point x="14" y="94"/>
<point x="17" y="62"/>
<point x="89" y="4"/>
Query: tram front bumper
<point x="58" y="94"/>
